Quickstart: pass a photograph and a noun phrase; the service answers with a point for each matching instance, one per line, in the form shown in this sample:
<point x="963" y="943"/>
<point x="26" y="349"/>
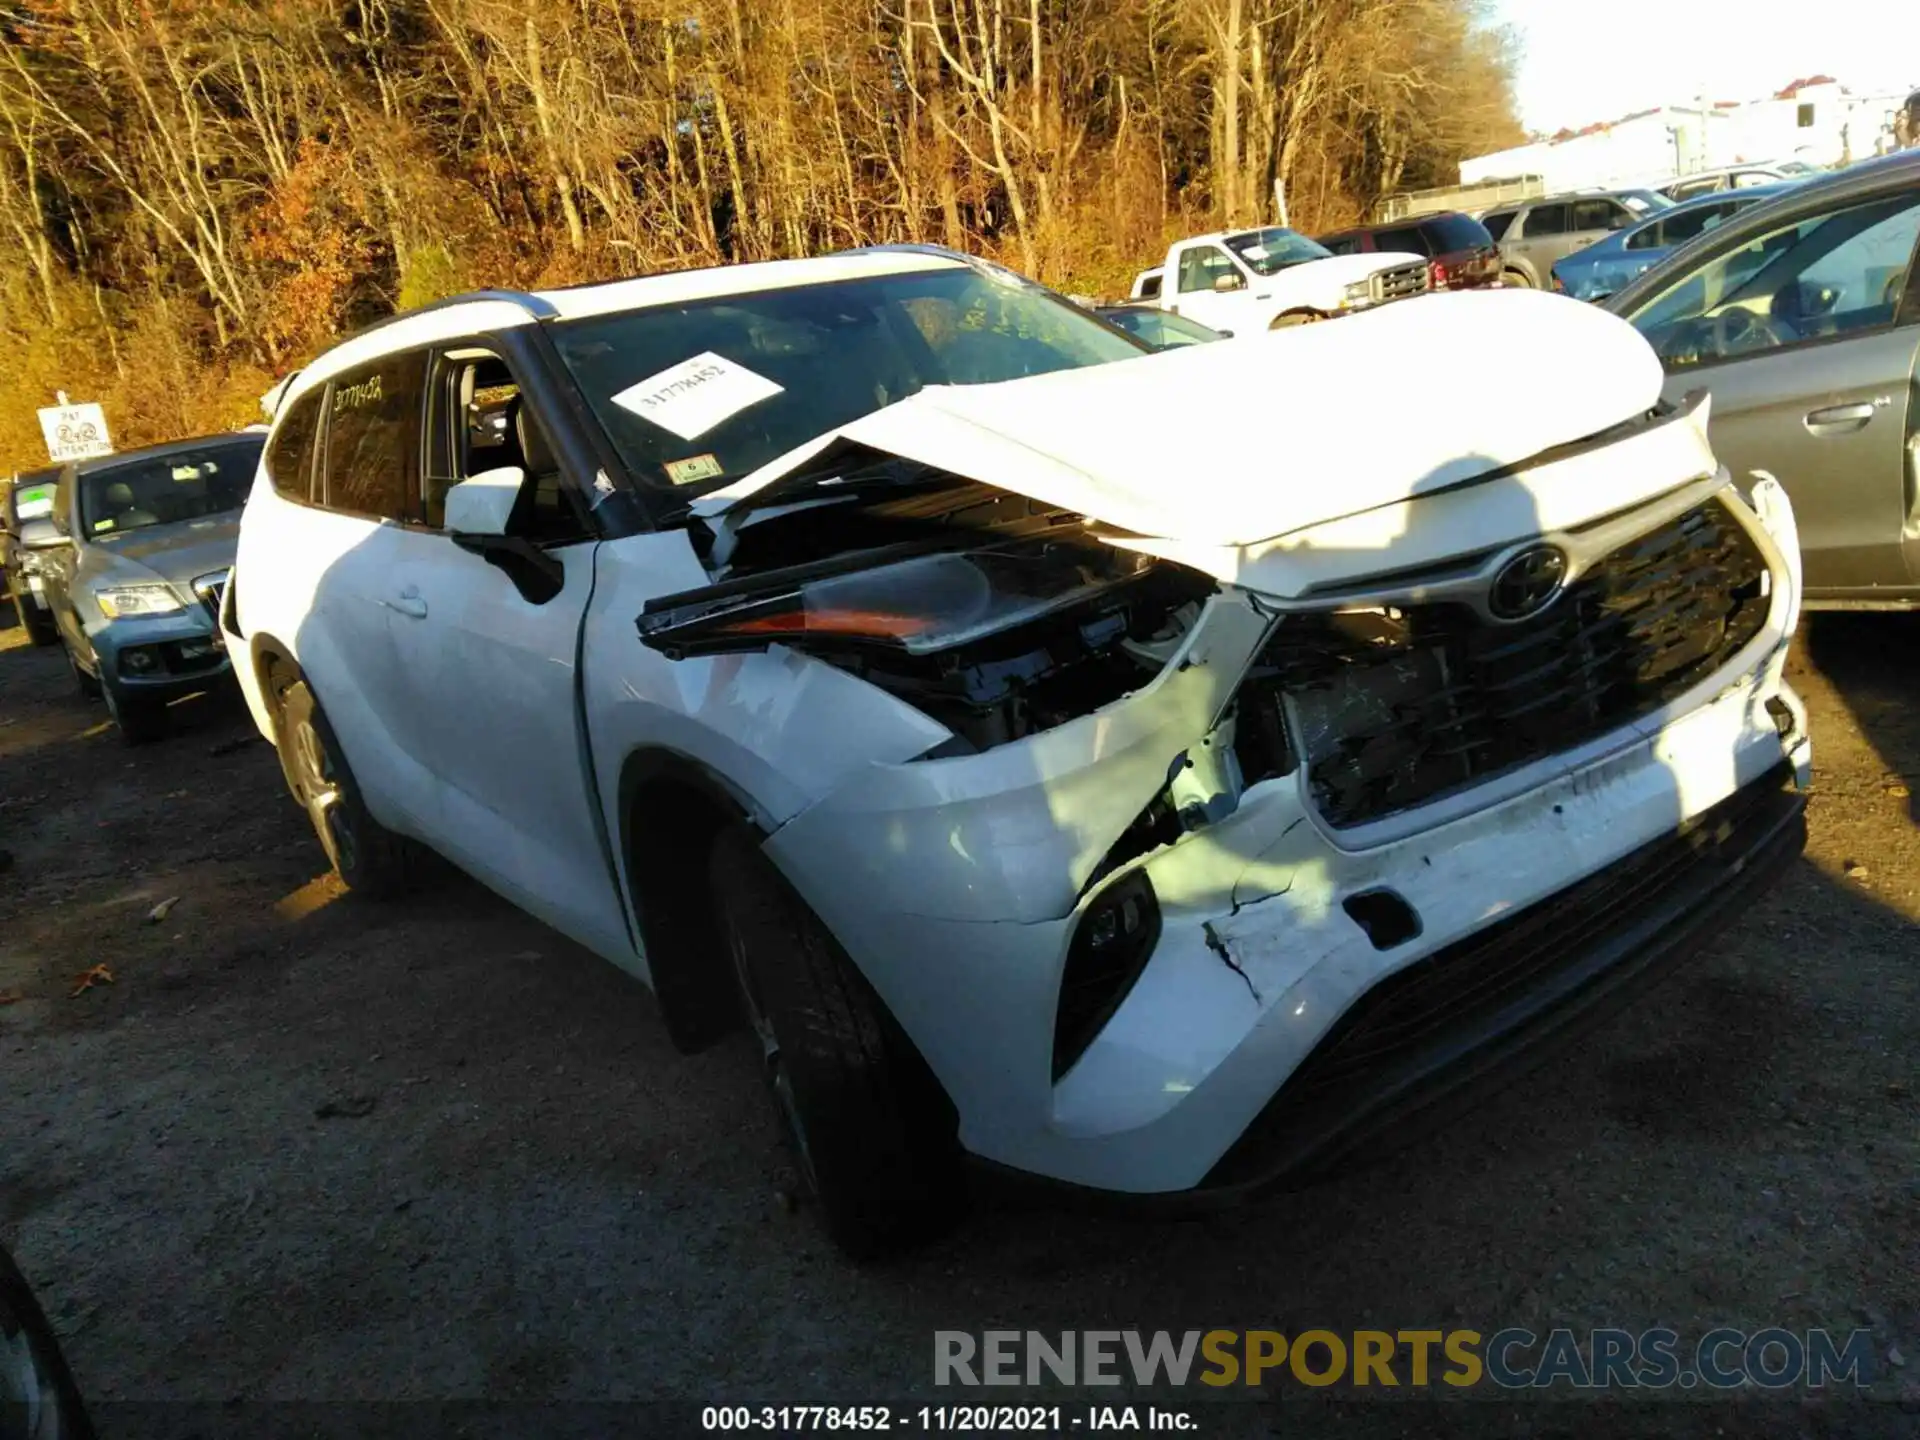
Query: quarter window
<point x="290" y="455"/>
<point x="372" y="464"/>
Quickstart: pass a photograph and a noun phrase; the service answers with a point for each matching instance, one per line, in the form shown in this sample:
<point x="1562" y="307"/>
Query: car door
<point x="1806" y="331"/>
<point x="1196" y="270"/>
<point x="489" y="673"/>
<point x="1541" y="229"/>
<point x="59" y="564"/>
<point x="1590" y="221"/>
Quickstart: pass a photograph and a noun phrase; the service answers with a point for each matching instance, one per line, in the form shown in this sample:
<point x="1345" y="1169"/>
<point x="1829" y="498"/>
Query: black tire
<point x="141" y="720"/>
<point x="874" y="1134"/>
<point x="88" y="685"/>
<point x="370" y="859"/>
<point x="44" y="1374"/>
<point x="39" y="627"/>
<point x="1295" y="317"/>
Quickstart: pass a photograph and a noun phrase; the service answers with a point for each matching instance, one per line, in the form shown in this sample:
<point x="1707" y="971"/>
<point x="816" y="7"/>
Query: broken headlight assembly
<point x="995" y="642"/>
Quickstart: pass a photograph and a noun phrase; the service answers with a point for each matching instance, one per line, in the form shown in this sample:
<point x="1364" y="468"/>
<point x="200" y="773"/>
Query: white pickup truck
<point x="1253" y="280"/>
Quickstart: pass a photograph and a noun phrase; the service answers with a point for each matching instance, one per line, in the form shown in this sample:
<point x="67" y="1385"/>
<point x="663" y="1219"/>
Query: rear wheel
<point x="874" y="1135"/>
<point x="1295" y="317"/>
<point x="1515" y="280"/>
<point x="369" y="858"/>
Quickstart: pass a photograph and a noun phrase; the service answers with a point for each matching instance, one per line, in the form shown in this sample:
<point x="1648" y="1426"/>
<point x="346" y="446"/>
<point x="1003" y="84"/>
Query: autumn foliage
<point x="195" y="194"/>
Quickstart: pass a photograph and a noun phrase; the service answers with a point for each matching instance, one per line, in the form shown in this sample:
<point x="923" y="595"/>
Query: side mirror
<point x="477" y="512"/>
<point x="484" y="504"/>
<point x="1233" y="280"/>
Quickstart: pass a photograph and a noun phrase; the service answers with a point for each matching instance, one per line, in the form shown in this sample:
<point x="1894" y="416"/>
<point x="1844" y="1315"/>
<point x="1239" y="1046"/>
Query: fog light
<point x="1110" y="948"/>
<point x="138" y="661"/>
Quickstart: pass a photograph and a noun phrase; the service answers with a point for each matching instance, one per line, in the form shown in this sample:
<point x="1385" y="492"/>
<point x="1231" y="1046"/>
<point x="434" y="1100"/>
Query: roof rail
<point x="534" y="305"/>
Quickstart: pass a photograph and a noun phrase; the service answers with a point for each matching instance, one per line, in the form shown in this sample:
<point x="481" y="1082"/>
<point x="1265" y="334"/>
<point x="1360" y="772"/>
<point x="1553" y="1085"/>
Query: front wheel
<point x="140" y="720"/>
<point x="369" y="858"/>
<point x="84" y="681"/>
<point x="874" y="1134"/>
<point x="1295" y="317"/>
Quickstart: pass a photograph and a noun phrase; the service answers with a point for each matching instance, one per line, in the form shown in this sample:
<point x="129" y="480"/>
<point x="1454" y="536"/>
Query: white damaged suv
<point x="855" y="650"/>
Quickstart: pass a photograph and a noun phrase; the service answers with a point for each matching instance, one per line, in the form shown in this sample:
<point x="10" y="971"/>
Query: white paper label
<point x="694" y="396"/>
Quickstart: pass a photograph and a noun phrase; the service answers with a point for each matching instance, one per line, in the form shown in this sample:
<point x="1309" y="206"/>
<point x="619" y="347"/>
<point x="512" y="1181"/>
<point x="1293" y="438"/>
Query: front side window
<point x="211" y="479"/>
<point x="1497" y="222"/>
<point x="1201" y="265"/>
<point x="1829" y="275"/>
<point x="696" y="394"/>
<point x="1597" y="214"/>
<point x="1678" y="229"/>
<point x="1268" y="252"/>
<point x="372" y="459"/>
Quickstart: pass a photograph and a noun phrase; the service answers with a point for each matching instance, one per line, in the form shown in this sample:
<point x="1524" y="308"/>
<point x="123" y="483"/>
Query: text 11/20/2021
<point x="959" y="1419"/>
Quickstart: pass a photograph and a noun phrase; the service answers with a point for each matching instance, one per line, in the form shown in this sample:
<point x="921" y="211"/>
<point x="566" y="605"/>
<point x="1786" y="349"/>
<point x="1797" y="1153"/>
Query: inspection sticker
<point x="694" y="469"/>
<point x="694" y="396"/>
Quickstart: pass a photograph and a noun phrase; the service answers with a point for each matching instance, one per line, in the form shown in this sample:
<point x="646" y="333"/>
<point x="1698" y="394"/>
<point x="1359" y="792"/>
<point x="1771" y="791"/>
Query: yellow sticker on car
<point x="694" y="469"/>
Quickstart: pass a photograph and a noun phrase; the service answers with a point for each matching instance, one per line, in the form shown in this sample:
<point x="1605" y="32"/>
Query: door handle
<point x="1842" y="419"/>
<point x="408" y="603"/>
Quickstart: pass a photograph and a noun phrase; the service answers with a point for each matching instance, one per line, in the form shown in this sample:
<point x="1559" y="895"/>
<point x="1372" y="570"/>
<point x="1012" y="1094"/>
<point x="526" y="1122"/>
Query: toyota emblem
<point x="1527" y="584"/>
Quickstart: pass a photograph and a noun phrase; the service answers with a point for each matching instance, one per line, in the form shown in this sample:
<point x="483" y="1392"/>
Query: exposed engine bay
<point x="995" y="615"/>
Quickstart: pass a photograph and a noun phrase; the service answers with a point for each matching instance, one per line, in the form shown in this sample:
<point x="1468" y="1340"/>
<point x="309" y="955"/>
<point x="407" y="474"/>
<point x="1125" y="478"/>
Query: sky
<point x="1589" y="60"/>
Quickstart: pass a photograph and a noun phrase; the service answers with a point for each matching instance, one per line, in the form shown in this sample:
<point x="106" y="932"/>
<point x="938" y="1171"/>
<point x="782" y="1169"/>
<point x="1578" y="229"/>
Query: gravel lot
<point x="303" y="1148"/>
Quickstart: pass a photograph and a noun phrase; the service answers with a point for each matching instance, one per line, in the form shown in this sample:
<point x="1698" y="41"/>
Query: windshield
<point x="1644" y="202"/>
<point x="699" y="394"/>
<point x="1267" y="252"/>
<point x="185" y="485"/>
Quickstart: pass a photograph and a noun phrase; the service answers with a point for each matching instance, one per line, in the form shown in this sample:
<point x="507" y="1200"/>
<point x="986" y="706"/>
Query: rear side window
<point x="1449" y="234"/>
<point x="1408" y="241"/>
<point x="1342" y="244"/>
<point x="1597" y="214"/>
<point x="1497" y="222"/>
<point x="372" y="464"/>
<point x="1150" y="288"/>
<point x="290" y="455"/>
<point x="1546" y="220"/>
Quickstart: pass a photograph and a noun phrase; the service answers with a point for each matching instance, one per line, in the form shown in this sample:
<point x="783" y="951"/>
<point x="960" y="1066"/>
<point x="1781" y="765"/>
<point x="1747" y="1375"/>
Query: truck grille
<point x="1399" y="282"/>
<point x="209" y="588"/>
<point x="1392" y="707"/>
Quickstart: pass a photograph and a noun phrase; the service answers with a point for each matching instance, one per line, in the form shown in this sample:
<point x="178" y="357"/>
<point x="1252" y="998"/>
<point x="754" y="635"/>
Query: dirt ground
<point x="305" y="1149"/>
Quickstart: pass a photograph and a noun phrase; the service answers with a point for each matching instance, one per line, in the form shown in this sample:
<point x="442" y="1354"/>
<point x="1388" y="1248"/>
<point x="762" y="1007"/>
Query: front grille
<point x="1463" y="1007"/>
<point x="1399" y="282"/>
<point x="209" y="588"/>
<point x="1393" y="707"/>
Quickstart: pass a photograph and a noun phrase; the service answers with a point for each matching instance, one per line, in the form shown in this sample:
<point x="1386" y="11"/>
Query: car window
<point x="1596" y="214"/>
<point x="1497" y="222"/>
<point x="1648" y="237"/>
<point x="1408" y="239"/>
<point x="372" y="457"/>
<point x="696" y="394"/>
<point x="1834" y="274"/>
<point x="1447" y="234"/>
<point x="290" y="453"/>
<point x="480" y="420"/>
<point x="1150" y="288"/>
<point x="1200" y="265"/>
<point x="1342" y="244"/>
<point x="1748" y="178"/>
<point x="1545" y="220"/>
<point x="1269" y="251"/>
<point x="187" y="484"/>
<point x="1678" y="229"/>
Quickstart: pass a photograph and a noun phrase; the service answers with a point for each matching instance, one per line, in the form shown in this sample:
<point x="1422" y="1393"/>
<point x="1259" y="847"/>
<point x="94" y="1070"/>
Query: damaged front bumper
<point x="957" y="885"/>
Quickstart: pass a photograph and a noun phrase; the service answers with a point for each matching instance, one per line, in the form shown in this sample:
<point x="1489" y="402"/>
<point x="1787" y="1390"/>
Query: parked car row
<point x="1165" y="809"/>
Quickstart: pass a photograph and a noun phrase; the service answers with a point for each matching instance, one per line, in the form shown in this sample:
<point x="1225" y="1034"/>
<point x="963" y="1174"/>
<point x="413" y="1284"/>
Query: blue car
<point x="1608" y="265"/>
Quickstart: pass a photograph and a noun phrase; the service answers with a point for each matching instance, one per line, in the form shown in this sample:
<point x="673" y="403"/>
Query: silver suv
<point x="1534" y="235"/>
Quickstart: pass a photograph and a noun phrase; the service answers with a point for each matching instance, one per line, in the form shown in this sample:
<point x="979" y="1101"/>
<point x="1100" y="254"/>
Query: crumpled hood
<point x="1228" y="445"/>
<point x="178" y="553"/>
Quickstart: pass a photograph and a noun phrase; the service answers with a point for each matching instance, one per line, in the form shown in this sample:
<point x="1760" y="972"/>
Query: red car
<point x="1459" y="252"/>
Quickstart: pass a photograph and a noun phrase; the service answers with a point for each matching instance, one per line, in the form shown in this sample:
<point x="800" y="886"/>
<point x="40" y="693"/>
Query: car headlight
<point x="137" y="600"/>
<point x="1360" y="290"/>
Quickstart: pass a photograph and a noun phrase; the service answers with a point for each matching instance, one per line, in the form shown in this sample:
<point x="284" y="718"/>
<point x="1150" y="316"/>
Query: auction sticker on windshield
<point x="694" y="396"/>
